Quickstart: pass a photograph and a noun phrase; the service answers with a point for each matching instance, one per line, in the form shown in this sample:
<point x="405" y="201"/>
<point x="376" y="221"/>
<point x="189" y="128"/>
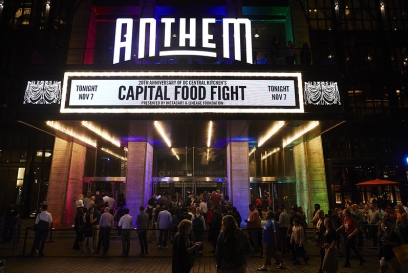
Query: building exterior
<point x="243" y="112"/>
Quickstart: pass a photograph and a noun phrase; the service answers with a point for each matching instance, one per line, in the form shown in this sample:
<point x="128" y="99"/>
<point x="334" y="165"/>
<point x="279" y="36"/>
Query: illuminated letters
<point x="126" y="43"/>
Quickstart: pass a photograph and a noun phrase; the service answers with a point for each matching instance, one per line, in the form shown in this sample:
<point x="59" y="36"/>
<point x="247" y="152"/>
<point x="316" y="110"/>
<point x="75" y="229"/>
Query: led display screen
<point x="172" y="92"/>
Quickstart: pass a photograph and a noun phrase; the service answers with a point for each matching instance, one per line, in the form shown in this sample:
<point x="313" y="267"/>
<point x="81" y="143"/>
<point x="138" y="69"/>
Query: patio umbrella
<point x="377" y="182"/>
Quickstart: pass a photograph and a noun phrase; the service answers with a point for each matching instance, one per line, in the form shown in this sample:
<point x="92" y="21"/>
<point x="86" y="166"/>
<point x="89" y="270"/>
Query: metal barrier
<point x="10" y="233"/>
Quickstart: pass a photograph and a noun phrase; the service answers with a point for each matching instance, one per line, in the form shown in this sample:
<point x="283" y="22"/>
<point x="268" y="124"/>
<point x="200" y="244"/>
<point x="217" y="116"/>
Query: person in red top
<point x="350" y="226"/>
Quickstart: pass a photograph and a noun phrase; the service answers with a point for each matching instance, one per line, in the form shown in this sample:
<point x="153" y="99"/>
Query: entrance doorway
<point x="105" y="185"/>
<point x="184" y="188"/>
<point x="274" y="191"/>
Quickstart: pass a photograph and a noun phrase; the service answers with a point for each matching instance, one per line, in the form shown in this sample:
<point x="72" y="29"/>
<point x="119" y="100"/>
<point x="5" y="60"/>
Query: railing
<point x="10" y="233"/>
<point x="365" y="238"/>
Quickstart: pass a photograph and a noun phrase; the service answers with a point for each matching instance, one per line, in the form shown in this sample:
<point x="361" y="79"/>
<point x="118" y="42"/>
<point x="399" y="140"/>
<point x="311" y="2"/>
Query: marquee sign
<point x="182" y="92"/>
<point x="124" y="38"/>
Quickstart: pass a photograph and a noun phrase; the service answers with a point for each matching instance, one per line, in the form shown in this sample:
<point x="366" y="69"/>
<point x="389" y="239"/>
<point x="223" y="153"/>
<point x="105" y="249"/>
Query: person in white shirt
<point x="105" y="225"/>
<point x="111" y="202"/>
<point x="125" y="223"/>
<point x="42" y="223"/>
<point x="80" y="202"/>
<point x="164" y="221"/>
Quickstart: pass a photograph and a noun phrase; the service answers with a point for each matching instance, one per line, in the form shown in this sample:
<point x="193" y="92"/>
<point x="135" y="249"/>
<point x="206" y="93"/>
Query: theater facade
<point x="172" y="97"/>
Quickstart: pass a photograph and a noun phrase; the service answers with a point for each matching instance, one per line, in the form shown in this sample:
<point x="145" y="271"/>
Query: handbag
<point x="401" y="253"/>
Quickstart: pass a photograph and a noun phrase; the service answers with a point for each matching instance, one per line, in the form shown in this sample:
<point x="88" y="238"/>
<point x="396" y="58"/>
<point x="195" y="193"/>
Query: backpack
<point x="233" y="248"/>
<point x="198" y="224"/>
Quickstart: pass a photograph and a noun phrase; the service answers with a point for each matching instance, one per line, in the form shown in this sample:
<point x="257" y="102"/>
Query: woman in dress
<point x="183" y="249"/>
<point x="88" y="220"/>
<point x="232" y="248"/>
<point x="330" y="261"/>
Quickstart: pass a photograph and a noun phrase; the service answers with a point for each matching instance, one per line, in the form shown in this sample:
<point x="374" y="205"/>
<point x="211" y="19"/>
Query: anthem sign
<point x="187" y="38"/>
<point x="182" y="92"/>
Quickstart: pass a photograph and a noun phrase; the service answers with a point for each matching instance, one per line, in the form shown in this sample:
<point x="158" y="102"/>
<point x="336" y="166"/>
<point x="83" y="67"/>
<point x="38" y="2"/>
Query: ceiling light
<point x="96" y="130"/>
<point x="270" y="153"/>
<point x="271" y="132"/>
<point x="174" y="152"/>
<point x="209" y="134"/>
<point x="161" y="131"/>
<point x="300" y="133"/>
<point x="252" y="151"/>
<point x="69" y="131"/>
<point x="112" y="153"/>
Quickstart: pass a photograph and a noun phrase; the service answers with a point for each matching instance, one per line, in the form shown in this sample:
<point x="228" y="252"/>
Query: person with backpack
<point x="198" y="226"/>
<point x="270" y="240"/>
<point x="233" y="247"/>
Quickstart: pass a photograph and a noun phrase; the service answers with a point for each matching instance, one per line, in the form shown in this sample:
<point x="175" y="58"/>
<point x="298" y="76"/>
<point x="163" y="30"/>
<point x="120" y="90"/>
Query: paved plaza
<point x="60" y="257"/>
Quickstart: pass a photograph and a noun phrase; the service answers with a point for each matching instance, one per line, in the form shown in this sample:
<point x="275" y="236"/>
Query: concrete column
<point x="238" y="176"/>
<point x="67" y="169"/>
<point x="139" y="174"/>
<point x="311" y="185"/>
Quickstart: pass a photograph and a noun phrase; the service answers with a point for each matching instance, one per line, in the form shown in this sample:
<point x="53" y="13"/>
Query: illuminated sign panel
<point x="182" y="92"/>
<point x="124" y="38"/>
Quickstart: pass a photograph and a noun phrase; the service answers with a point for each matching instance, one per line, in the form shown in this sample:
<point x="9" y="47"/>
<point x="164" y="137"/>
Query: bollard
<point x="25" y="240"/>
<point x="50" y="240"/>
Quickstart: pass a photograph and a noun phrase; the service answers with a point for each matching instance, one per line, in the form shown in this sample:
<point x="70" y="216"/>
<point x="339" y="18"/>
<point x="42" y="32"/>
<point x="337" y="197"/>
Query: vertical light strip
<point x="161" y="131"/>
<point x="209" y="134"/>
<point x="271" y="132"/>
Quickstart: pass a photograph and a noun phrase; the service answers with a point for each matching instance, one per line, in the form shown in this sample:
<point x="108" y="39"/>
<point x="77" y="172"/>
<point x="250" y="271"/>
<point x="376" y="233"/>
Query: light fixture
<point x="174" y="152"/>
<point x="209" y="134"/>
<point x="270" y="153"/>
<point x="69" y="131"/>
<point x="96" y="130"/>
<point x="114" y="154"/>
<point x="174" y="35"/>
<point x="256" y="34"/>
<point x="252" y="151"/>
<point x="161" y="131"/>
<point x="301" y="132"/>
<point x="271" y="132"/>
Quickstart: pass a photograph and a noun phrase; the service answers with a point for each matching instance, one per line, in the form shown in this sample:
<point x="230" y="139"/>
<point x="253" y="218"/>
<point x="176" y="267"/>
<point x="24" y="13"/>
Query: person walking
<point x="232" y="248"/>
<point x="42" y="224"/>
<point x="331" y="257"/>
<point x="182" y="255"/>
<point x="270" y="240"/>
<point x="254" y="226"/>
<point x="142" y="222"/>
<point x="389" y="240"/>
<point x="297" y="239"/>
<point x="350" y="227"/>
<point x="125" y="224"/>
<point x="105" y="224"/>
<point x="164" y="221"/>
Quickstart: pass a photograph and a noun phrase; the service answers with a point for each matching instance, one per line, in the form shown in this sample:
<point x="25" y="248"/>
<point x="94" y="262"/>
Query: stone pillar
<point x="238" y="176"/>
<point x="67" y="169"/>
<point x="311" y="185"/>
<point x="139" y="175"/>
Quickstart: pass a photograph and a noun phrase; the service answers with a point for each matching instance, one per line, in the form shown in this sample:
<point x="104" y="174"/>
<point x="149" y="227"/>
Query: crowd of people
<point x="183" y="223"/>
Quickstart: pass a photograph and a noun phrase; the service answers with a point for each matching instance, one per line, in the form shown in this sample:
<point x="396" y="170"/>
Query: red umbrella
<point x="378" y="182"/>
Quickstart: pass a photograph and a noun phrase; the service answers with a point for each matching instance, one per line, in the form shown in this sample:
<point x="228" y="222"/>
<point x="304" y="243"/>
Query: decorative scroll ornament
<point x="43" y="92"/>
<point x="321" y="93"/>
